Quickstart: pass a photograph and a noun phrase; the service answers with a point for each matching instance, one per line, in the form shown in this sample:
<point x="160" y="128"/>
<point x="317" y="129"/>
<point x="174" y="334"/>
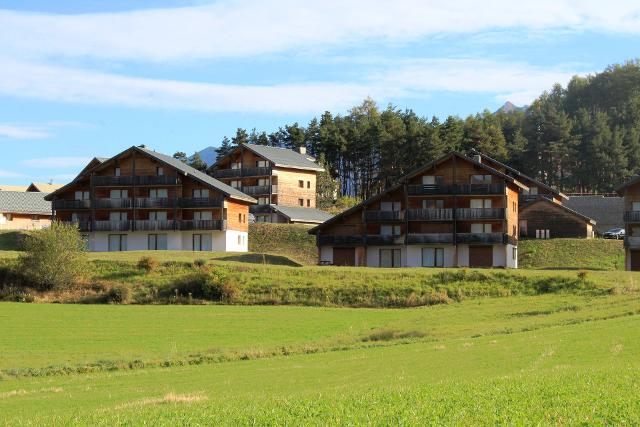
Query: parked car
<point x="614" y="233"/>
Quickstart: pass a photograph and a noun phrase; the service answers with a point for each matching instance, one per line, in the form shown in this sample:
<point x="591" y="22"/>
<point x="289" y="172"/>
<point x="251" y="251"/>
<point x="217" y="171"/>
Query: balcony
<point x="381" y="239"/>
<point x="430" y="214"/>
<point x="632" y="242"/>
<point x="480" y="213"/>
<point x="260" y="209"/>
<point x="429" y="238"/>
<point x="253" y="190"/>
<point x="112" y="203"/>
<point x="374" y="216"/>
<point x="332" y="240"/>
<point x="241" y="172"/>
<point x="632" y="216"/>
<point x="128" y="180"/>
<point x="111" y="226"/>
<point x="155" y="225"/>
<point x="62" y="204"/>
<point x="201" y="202"/>
<point x="203" y="224"/>
<point x="455" y="189"/>
<point x="481" y="238"/>
<point x="156" y="202"/>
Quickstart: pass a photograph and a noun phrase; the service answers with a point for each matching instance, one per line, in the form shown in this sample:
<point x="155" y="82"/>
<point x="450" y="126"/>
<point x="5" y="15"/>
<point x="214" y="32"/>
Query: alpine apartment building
<point x="454" y="212"/>
<point x="144" y="200"/>
<point x="630" y="190"/>
<point x="283" y="181"/>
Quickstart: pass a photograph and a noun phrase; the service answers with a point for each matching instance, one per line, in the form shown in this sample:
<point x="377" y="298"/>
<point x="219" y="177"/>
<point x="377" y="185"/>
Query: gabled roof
<point x="558" y="205"/>
<point x="520" y="174"/>
<point x="633" y="180"/>
<point x="607" y="211"/>
<point x="281" y="157"/>
<point x="43" y="187"/>
<point x="24" y="202"/>
<point x="302" y="214"/>
<point x="410" y="175"/>
<point x="13" y="187"/>
<point x="185" y="169"/>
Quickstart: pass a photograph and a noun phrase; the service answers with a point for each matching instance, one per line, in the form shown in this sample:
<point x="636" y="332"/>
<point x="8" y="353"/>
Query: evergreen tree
<point x="196" y="162"/>
<point x="181" y="155"/>
<point x="224" y="149"/>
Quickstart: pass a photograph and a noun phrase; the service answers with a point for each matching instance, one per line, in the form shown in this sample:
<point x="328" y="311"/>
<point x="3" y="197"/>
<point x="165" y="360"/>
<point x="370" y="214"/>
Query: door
<point x="523" y="228"/>
<point x="480" y="256"/>
<point x="635" y="260"/>
<point x="344" y="256"/>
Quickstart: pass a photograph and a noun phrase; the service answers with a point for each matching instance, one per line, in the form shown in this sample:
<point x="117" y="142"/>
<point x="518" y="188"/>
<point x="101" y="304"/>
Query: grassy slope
<point x="10" y="240"/>
<point x="481" y="370"/>
<point x="289" y="240"/>
<point x="589" y="254"/>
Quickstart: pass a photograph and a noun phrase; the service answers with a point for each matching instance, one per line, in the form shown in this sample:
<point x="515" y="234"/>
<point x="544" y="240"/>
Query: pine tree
<point x="224" y="149"/>
<point x="196" y="162"/>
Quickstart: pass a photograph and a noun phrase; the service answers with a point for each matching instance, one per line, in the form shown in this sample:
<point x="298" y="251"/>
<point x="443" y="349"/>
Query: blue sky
<point x="89" y="78"/>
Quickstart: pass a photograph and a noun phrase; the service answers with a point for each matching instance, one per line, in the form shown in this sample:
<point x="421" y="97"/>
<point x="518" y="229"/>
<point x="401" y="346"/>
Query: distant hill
<point x="208" y="155"/>
<point x="509" y="107"/>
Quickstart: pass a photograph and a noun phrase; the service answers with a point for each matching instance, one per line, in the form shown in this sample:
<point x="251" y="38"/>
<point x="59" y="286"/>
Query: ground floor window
<point x="117" y="242"/>
<point x="433" y="257"/>
<point x="543" y="234"/>
<point x="157" y="242"/>
<point x="390" y="258"/>
<point x="202" y="242"/>
<point x="514" y="253"/>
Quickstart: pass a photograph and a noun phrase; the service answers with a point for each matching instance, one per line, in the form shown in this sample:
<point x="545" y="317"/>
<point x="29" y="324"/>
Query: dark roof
<point x="633" y="180"/>
<point x="301" y="214"/>
<point x="174" y="163"/>
<point x="411" y="175"/>
<point x="283" y="157"/>
<point x="31" y="202"/>
<point x="561" y="206"/>
<point x="607" y="211"/>
<point x="519" y="174"/>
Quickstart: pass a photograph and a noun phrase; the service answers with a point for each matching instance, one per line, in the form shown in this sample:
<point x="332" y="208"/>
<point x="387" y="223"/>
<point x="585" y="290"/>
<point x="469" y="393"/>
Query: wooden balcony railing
<point x="241" y="172"/>
<point x="156" y="202"/>
<point x="61" y="204"/>
<point x="111" y="226"/>
<point x="482" y="238"/>
<point x="632" y="216"/>
<point x="260" y="209"/>
<point x="632" y="242"/>
<point x="333" y="240"/>
<point x="112" y="203"/>
<point x="381" y="239"/>
<point x="459" y="189"/>
<point x="256" y="189"/>
<point x="430" y="214"/>
<point x="480" y="213"/>
<point x="156" y="225"/>
<point x="374" y="216"/>
<point x="203" y="224"/>
<point x="429" y="238"/>
<point x="201" y="202"/>
<point x="129" y="180"/>
<point x="152" y="225"/>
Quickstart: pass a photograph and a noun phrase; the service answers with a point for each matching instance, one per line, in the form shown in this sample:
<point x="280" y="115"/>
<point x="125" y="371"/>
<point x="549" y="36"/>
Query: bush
<point x="200" y="262"/>
<point x="147" y="264"/>
<point x="54" y="257"/>
<point x="118" y="294"/>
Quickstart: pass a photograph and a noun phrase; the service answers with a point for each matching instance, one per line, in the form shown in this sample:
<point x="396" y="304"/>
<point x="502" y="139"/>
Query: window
<point x="432" y="204"/>
<point x="480" y="179"/>
<point x="390" y="230"/>
<point x="301" y="202"/>
<point x="264" y="200"/>
<point x="390" y="258"/>
<point x="390" y="206"/>
<point x="239" y="240"/>
<point x="201" y="242"/>
<point x="158" y="215"/>
<point x="236" y="165"/>
<point x="244" y="218"/>
<point x="514" y="207"/>
<point x="300" y="183"/>
<point x="159" y="171"/>
<point x="514" y="253"/>
<point x="159" y="193"/>
<point x="543" y="234"/>
<point x="117" y="171"/>
<point x="203" y="215"/>
<point x="201" y="193"/>
<point x="262" y="164"/>
<point x="117" y="216"/>
<point x="263" y="182"/>
<point x="433" y="257"/>
<point x="82" y="195"/>
<point x="308" y="203"/>
<point x="308" y="184"/>
<point x="118" y="194"/>
<point x="480" y="203"/>
<point x="480" y="228"/>
<point x="431" y="180"/>
<point x="117" y="242"/>
<point x="515" y="231"/>
<point x="240" y="218"/>
<point x="157" y="242"/>
<point x="533" y="191"/>
<point x="635" y="206"/>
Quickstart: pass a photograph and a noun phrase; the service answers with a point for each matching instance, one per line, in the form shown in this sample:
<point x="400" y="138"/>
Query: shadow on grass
<point x="261" y="259"/>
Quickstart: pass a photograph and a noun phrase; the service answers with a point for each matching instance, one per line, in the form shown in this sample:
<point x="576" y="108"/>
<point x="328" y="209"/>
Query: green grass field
<point x="567" y="360"/>
<point x="588" y="254"/>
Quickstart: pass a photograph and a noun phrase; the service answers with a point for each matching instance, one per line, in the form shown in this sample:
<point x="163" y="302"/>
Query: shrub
<point x="147" y="264"/>
<point x="194" y="284"/>
<point x="54" y="256"/>
<point x="582" y="275"/>
<point x="200" y="262"/>
<point x="118" y="294"/>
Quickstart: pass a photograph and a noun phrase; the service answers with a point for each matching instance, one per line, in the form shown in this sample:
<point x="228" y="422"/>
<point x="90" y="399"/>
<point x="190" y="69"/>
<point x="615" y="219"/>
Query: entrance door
<point x="480" y="256"/>
<point x="635" y="260"/>
<point x="344" y="256"/>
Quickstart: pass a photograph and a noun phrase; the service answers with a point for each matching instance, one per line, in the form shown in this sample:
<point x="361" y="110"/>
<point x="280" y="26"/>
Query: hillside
<point x="566" y="254"/>
<point x="288" y="240"/>
<point x="208" y="155"/>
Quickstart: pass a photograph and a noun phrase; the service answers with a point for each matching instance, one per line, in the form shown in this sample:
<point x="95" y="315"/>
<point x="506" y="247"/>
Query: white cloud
<point x="13" y="131"/>
<point x="56" y="162"/>
<point x="240" y="28"/>
<point x="410" y="78"/>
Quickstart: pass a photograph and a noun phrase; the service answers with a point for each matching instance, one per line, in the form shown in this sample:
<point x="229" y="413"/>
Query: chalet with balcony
<point x="144" y="200"/>
<point x="454" y="212"/>
<point x="542" y="212"/>
<point x="278" y="178"/>
<point x="630" y="190"/>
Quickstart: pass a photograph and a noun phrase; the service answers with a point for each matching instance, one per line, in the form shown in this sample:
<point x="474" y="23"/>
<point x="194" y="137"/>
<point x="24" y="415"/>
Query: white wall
<point x="414" y="255"/>
<point x="499" y="255"/>
<point x="373" y="255"/>
<point x="511" y="262"/>
<point x="222" y="241"/>
<point x="232" y="244"/>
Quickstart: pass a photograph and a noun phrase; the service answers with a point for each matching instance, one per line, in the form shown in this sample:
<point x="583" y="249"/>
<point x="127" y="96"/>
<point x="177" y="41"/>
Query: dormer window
<point x="480" y="179"/>
<point x="262" y="164"/>
<point x="159" y="171"/>
<point x="117" y="171"/>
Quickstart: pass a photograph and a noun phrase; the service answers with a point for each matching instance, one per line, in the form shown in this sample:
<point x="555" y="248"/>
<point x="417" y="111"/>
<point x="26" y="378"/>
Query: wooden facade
<point x="631" y="193"/>
<point x="544" y="219"/>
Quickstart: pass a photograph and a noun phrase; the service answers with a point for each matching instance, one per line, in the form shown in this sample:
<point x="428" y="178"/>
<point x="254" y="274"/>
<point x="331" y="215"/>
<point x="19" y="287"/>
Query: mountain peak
<point x="509" y="107"/>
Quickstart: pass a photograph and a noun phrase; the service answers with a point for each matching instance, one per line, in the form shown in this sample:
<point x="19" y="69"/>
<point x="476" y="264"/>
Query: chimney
<point x="302" y="149"/>
<point x="477" y="158"/>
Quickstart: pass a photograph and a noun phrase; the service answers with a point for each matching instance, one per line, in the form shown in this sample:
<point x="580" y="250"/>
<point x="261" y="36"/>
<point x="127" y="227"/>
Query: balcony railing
<point x="256" y="189"/>
<point x="112" y="203"/>
<point x="201" y="202"/>
<point x="260" y="209"/>
<point x="384" y="215"/>
<point x="430" y="214"/>
<point x="429" y="238"/>
<point x="459" y="189"/>
<point x="632" y="242"/>
<point x="61" y="204"/>
<point x="480" y="213"/>
<point x="111" y="226"/>
<point x="155" y="225"/>
<point x="381" y="239"/>
<point x="483" y="238"/>
<point x="128" y="180"/>
<point x="203" y="224"/>
<point x="156" y="202"/>
<point x="241" y="172"/>
<point x="632" y="216"/>
<point x="152" y="225"/>
<point x="351" y="240"/>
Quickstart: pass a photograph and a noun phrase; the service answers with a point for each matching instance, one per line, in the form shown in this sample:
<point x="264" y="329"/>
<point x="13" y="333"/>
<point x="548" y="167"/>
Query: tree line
<point x="584" y="137"/>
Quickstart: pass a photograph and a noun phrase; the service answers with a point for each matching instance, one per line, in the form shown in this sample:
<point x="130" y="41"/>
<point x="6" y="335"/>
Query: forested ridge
<point x="584" y="137"/>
